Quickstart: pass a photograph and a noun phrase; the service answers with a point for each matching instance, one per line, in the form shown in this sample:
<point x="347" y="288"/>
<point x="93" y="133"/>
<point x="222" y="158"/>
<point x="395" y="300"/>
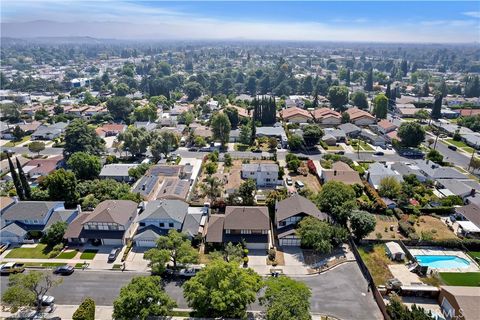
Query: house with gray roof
<point x="160" y="216"/>
<point x="406" y="169"/>
<point x="350" y="129"/>
<point x="117" y="171"/>
<point x="275" y="132"/>
<point x="461" y="188"/>
<point x="434" y="171"/>
<point x="50" y="132"/>
<point x="377" y="171"/>
<point x="288" y="214"/>
<point x="264" y="174"/>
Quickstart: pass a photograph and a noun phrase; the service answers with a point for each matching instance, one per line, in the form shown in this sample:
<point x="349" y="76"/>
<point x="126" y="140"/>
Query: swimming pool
<point x="442" y="262"/>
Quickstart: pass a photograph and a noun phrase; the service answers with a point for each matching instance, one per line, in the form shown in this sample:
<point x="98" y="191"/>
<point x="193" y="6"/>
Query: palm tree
<point x="211" y="188"/>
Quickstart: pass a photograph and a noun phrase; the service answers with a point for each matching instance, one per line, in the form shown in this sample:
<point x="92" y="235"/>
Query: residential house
<point x="327" y="117"/>
<point x="111" y="223"/>
<point x="458" y="302"/>
<point x="117" y="171"/>
<point x="462" y="188"/>
<point x="329" y="139"/>
<point x="351" y="130"/>
<point x="23" y="217"/>
<point x="49" y="132"/>
<point x="160" y="216"/>
<point x="110" y="130"/>
<point x="240" y="224"/>
<point x="360" y="117"/>
<point x="276" y="132"/>
<point x="5" y="167"/>
<point x="242" y="112"/>
<point x="174" y="188"/>
<point x="467" y="220"/>
<point x="37" y="168"/>
<point x="372" y="138"/>
<point x="341" y="172"/>
<point x="5" y="203"/>
<point x="288" y="214"/>
<point x="385" y="126"/>
<point x="377" y="171"/>
<point x="264" y="174"/>
<point x="26" y="127"/>
<point x="338" y="134"/>
<point x="405" y="169"/>
<point x="433" y="171"/>
<point x="149" y="126"/>
<point x="295" y="115"/>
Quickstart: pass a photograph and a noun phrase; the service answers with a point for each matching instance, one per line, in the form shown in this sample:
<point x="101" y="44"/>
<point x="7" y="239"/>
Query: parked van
<point x="299" y="184"/>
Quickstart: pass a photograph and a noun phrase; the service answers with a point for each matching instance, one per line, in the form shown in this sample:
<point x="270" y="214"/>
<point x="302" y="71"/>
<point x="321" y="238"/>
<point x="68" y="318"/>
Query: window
<point x="227" y="231"/>
<point x="170" y="225"/>
<point x="282" y="223"/>
<point x="142" y="224"/>
<point x="268" y="179"/>
<point x="162" y="225"/>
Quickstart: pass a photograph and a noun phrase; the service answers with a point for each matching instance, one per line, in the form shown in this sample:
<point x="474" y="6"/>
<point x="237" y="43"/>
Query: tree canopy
<point x="79" y="136"/>
<point x="84" y="165"/>
<point x="221" y="127"/>
<point x="320" y="235"/>
<point x="411" y="133"/>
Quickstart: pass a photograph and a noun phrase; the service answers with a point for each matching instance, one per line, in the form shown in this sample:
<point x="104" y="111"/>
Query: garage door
<point x="257" y="245"/>
<point x="145" y="243"/>
<point x="11" y="239"/>
<point x="289" y="242"/>
<point x="112" y="242"/>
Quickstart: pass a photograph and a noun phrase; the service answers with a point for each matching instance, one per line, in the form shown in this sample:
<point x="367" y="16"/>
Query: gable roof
<point x="356" y="114"/>
<point x="261" y="167"/>
<point x="436" y="171"/>
<point x="471" y="212"/>
<point x="174" y="188"/>
<point x="240" y="217"/>
<point x="75" y="227"/>
<point x="29" y="210"/>
<point x="297" y="204"/>
<point x="113" y="211"/>
<point x="165" y="209"/>
<point x="117" y="169"/>
<point x="386" y="124"/>
<point x="215" y="228"/>
<point x="467" y="299"/>
<point x="349" y="128"/>
<point x="13" y="229"/>
<point x="325" y="113"/>
<point x="43" y="166"/>
<point x="343" y="173"/>
<point x="294" y="112"/>
<point x="191" y="224"/>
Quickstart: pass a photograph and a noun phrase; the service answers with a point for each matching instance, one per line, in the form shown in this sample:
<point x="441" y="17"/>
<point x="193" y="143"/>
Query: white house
<point x="265" y="174"/>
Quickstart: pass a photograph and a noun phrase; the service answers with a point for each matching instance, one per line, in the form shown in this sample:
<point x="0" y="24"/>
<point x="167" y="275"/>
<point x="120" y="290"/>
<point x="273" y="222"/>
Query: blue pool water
<point x="442" y="262"/>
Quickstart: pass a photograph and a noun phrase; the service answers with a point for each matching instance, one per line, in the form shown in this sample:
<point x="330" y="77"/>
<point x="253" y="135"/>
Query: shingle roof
<point x="215" y="228"/>
<point x="262" y="167"/>
<point x="75" y="227"/>
<point x="239" y="217"/>
<point x="117" y="169"/>
<point x="467" y="299"/>
<point x="435" y="171"/>
<point x="296" y="204"/>
<point x="295" y="111"/>
<point x="13" y="228"/>
<point x="174" y="188"/>
<point x="165" y="209"/>
<point x="471" y="212"/>
<point x="150" y="232"/>
<point x="117" y="211"/>
<point x="29" y="210"/>
<point x="191" y="224"/>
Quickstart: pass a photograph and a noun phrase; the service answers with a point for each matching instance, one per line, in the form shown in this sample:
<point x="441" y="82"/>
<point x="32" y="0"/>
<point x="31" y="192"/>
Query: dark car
<point x="64" y="270"/>
<point x="341" y="152"/>
<point x="257" y="150"/>
<point x="452" y="148"/>
<point x="379" y="153"/>
<point x="193" y="149"/>
<point x="113" y="254"/>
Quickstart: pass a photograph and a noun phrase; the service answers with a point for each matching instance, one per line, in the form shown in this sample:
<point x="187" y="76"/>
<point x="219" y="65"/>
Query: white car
<point x="47" y="300"/>
<point x="188" y="272"/>
<point x="289" y="181"/>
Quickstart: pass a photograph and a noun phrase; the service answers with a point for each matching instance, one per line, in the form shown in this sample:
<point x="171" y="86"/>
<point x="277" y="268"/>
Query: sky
<point x="376" y="21"/>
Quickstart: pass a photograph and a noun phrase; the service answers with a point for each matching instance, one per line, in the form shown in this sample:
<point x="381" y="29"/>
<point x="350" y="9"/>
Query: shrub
<point x="85" y="311"/>
<point x="311" y="167"/>
<point x="245" y="260"/>
<point x="272" y="254"/>
<point x="405" y="228"/>
<point x="379" y="235"/>
<point x="245" y="252"/>
<point x="378" y="205"/>
<point x="398" y="213"/>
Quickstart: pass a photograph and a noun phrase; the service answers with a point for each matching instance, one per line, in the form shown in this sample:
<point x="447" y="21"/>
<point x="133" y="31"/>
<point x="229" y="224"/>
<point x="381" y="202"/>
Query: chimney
<point x="428" y="161"/>
<point x="79" y="208"/>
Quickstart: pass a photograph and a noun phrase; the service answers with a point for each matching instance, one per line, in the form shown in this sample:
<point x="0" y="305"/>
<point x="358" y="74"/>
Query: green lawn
<point x="459" y="144"/>
<point x="39" y="252"/>
<point x="67" y="254"/>
<point x="14" y="143"/>
<point x="44" y="264"/>
<point x="469" y="279"/>
<point x="363" y="145"/>
<point x="88" y="254"/>
<point x="474" y="255"/>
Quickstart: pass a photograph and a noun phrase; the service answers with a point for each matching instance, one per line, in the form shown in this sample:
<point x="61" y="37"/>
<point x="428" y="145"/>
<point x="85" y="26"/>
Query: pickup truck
<point x="11" y="267"/>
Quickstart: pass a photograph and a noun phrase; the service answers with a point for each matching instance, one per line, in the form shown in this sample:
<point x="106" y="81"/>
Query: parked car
<point x="257" y="150"/>
<point x="188" y="272"/>
<point x="47" y="300"/>
<point x="193" y="149"/>
<point x="341" y="152"/>
<point x="11" y="268"/>
<point x="299" y="184"/>
<point x="64" y="270"/>
<point x="452" y="148"/>
<point x="289" y="181"/>
<point x="379" y="153"/>
<point x="113" y="254"/>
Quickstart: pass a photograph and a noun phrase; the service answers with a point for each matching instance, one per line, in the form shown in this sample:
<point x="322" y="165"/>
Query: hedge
<point x="441" y="211"/>
<point x="85" y="311"/>
<point x="406" y="228"/>
<point x="469" y="244"/>
<point x="379" y="205"/>
<point x="398" y="213"/>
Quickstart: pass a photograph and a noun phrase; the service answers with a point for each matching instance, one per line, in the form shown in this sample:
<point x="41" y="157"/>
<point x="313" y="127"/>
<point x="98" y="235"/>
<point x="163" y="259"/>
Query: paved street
<point x="340" y="292"/>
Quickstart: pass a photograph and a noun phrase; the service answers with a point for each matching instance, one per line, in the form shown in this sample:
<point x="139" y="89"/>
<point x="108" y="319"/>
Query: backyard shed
<point x="394" y="251"/>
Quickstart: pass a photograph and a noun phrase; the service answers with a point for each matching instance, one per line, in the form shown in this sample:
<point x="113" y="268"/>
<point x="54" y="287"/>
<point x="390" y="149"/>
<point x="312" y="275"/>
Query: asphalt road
<point x="341" y="292"/>
<point x="449" y="155"/>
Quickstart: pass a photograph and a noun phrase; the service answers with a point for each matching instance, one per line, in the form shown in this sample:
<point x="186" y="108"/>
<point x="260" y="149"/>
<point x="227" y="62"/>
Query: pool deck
<point x="429" y="251"/>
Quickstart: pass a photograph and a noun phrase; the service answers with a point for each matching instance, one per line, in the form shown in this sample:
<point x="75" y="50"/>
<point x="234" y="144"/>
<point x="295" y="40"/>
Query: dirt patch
<point x="383" y="228"/>
<point x="427" y="226"/>
<point x="311" y="181"/>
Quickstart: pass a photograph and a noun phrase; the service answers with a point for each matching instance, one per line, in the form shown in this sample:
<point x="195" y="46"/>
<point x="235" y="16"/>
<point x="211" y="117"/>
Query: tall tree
<point x="120" y="108"/>
<point x="135" y="140"/>
<point x="16" y="180"/>
<point x="369" y="81"/>
<point x="312" y="134"/>
<point x="79" y="136"/>
<point x="232" y="115"/>
<point x="411" y="134"/>
<point x="437" y="107"/>
<point x="359" y="99"/>
<point x="23" y="180"/>
<point x="36" y="146"/>
<point x="142" y="299"/>
<point x="222" y="289"/>
<point x="163" y="143"/>
<point x="320" y="235"/>
<point x="404" y="67"/>
<point x="62" y="185"/>
<point x="286" y="299"/>
<point x="85" y="166"/>
<point x="221" y="128"/>
<point x="380" y="105"/>
<point x="338" y="96"/>
<point x="178" y="246"/>
<point x="362" y="223"/>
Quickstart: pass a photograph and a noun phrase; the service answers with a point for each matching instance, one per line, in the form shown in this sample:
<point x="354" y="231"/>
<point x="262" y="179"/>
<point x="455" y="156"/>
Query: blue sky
<point x="383" y="21"/>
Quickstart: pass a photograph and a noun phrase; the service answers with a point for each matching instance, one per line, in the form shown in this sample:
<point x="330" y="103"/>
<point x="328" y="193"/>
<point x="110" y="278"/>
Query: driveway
<point x="342" y="292"/>
<point x="257" y="260"/>
<point x="294" y="261"/>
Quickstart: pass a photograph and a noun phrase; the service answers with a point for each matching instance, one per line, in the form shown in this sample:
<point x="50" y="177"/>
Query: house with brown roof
<point x="341" y="172"/>
<point x="458" y="302"/>
<point x="240" y="224"/>
<point x="385" y="126"/>
<point x="110" y="130"/>
<point x="288" y="214"/>
<point x="111" y="223"/>
<point x="42" y="167"/>
<point x="360" y="117"/>
<point x="242" y="112"/>
<point x="295" y="115"/>
<point x="327" y="116"/>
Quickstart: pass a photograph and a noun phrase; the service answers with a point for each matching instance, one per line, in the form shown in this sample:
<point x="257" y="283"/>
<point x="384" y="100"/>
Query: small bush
<point x="245" y="252"/>
<point x="85" y="311"/>
<point x="405" y="228"/>
<point x="398" y="213"/>
<point x="379" y="235"/>
<point x="272" y="254"/>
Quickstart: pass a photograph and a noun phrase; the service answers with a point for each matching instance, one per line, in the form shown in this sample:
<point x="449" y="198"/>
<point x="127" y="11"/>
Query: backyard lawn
<point x="38" y="252"/>
<point x="475" y="255"/>
<point x="430" y="227"/>
<point x="377" y="263"/>
<point x="88" y="254"/>
<point x="469" y="279"/>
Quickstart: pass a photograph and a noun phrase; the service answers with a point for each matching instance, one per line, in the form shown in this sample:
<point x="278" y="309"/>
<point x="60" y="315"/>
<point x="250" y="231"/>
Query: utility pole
<point x="471" y="159"/>
<point x="436" y="139"/>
